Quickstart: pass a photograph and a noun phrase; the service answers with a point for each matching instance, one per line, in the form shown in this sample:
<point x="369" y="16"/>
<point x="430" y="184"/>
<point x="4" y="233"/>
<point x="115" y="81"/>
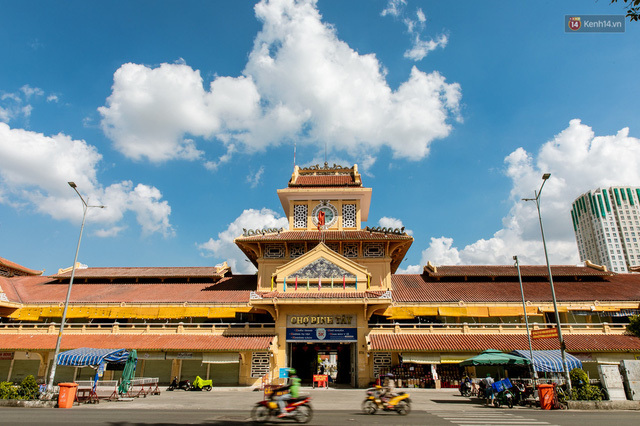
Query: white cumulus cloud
<point x="416" y="26"/>
<point x="223" y="248"/>
<point x="35" y="169"/>
<point x="578" y="161"/>
<point x="300" y="81"/>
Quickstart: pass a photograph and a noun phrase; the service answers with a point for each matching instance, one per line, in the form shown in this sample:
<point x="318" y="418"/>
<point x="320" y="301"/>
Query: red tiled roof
<point x="326" y="236"/>
<point x="414" y="288"/>
<point x="511" y="271"/>
<point x="33" y="290"/>
<point x="503" y="342"/>
<point x="325" y="180"/>
<point x="12" y="265"/>
<point x="144" y="272"/>
<point x="138" y="342"/>
<point x="303" y="294"/>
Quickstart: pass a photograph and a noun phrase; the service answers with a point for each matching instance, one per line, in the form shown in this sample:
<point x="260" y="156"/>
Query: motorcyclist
<point x="290" y="390"/>
<point x="389" y="389"/>
<point x="465" y="385"/>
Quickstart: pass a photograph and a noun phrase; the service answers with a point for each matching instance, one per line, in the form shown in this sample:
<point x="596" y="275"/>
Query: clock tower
<point x="325" y="206"/>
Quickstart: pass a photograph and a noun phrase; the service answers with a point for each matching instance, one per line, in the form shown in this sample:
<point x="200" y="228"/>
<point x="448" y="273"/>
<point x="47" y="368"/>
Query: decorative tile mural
<point x="321" y="268"/>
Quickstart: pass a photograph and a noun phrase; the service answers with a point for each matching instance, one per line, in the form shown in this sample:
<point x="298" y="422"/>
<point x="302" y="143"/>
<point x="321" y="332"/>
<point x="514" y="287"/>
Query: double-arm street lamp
<point x="52" y="375"/>
<point x="565" y="367"/>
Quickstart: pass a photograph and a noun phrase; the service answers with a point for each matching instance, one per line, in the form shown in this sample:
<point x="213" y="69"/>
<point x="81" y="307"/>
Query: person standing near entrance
<point x="488" y="381"/>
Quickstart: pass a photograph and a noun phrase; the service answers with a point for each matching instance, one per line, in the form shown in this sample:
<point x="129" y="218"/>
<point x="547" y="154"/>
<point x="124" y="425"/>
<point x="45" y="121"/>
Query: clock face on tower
<point x="326" y="211"/>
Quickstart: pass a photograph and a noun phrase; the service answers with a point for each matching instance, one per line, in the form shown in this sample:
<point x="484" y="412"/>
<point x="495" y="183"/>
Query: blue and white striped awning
<point x="87" y="356"/>
<point x="549" y="361"/>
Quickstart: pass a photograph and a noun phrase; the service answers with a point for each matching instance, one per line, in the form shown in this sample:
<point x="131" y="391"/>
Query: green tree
<point x="633" y="9"/>
<point x="634" y="325"/>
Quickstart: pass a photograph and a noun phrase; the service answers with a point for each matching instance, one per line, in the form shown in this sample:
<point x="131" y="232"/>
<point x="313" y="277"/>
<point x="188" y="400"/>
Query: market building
<point x="325" y="299"/>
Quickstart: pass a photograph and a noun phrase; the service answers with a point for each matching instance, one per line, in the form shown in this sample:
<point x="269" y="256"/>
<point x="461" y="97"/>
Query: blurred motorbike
<point x="374" y="401"/>
<point x="299" y="409"/>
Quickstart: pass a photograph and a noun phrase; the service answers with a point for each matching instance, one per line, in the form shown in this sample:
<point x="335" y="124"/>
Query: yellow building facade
<point x="326" y="299"/>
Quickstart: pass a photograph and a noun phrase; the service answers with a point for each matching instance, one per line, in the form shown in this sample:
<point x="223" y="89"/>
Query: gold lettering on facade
<point x="320" y="319"/>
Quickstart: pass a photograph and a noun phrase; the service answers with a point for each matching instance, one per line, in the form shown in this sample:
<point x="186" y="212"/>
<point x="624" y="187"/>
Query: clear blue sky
<point x="180" y="116"/>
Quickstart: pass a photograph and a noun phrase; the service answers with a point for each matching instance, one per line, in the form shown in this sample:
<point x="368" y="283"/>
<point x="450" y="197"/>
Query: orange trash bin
<point x="546" y="396"/>
<point x="67" y="394"/>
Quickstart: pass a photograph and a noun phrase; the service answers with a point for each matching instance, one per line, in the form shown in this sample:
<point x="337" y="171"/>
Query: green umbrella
<point x="494" y="357"/>
<point x="128" y="372"/>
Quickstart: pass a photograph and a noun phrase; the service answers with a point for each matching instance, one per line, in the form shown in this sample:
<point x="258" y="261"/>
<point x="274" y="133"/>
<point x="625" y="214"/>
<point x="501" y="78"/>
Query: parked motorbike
<point x="299" y="409"/>
<point x="400" y="403"/>
<point x="200" y="384"/>
<point x="520" y="393"/>
<point x="182" y="384"/>
<point x="504" y="397"/>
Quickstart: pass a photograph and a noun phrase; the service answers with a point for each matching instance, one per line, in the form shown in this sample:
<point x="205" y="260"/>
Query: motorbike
<point x="400" y="403"/>
<point x="520" y="393"/>
<point x="299" y="409"/>
<point x="200" y="384"/>
<point x="182" y="384"/>
<point x="465" y="388"/>
<point x="504" y="397"/>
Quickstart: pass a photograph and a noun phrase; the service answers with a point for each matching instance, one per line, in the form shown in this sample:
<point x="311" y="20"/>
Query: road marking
<point x="484" y="419"/>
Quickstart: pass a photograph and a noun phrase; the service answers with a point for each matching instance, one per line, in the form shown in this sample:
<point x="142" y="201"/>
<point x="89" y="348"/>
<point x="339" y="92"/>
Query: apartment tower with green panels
<point x="606" y="222"/>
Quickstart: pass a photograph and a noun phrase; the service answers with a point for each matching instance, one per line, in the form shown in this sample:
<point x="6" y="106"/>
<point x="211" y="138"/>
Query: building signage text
<point x="321" y="320"/>
<point x="322" y="334"/>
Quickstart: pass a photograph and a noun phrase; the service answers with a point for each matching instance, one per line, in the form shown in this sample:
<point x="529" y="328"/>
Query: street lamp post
<point x="553" y="292"/>
<point x="52" y="375"/>
<point x="526" y="321"/>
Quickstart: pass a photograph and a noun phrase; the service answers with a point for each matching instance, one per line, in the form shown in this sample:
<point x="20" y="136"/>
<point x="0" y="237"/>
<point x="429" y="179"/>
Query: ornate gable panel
<point x="321" y="268"/>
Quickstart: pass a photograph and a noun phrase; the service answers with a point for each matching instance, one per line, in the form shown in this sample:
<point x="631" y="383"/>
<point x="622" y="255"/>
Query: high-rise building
<point x="607" y="226"/>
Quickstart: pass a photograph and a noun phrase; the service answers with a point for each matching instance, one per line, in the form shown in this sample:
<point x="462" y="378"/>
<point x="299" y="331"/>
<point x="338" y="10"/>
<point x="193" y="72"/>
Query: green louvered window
<point x="624" y="196"/>
<point x="606" y="200"/>
<point x="630" y="196"/>
<point x="594" y="205"/>
<point x="638" y="194"/>
<point x="574" y="219"/>
<point x="601" y="204"/>
<point x="617" y="194"/>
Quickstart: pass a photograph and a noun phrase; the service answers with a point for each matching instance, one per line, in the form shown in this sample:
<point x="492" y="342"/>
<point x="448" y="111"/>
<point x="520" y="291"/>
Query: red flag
<point x="320" y="219"/>
<point x="296" y="282"/>
<point x="319" y="283"/>
<point x="344" y="283"/>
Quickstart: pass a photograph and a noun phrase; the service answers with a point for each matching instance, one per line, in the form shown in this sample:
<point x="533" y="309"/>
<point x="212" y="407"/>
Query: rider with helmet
<point x="284" y="393"/>
<point x="388" y="391"/>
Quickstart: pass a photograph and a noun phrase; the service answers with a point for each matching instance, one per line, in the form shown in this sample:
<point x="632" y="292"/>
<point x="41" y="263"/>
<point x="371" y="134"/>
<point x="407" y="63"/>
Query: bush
<point x="29" y="389"/>
<point x="582" y="389"/>
<point x="8" y="391"/>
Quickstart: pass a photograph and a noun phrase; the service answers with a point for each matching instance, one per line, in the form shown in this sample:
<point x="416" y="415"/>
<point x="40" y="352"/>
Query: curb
<point x="603" y="405"/>
<point x="28" y="404"/>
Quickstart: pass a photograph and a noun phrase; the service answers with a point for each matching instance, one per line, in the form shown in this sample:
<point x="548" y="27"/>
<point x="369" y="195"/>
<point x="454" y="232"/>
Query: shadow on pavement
<point x="457" y="401"/>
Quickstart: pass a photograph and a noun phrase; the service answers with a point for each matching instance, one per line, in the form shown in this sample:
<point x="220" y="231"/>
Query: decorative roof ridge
<point x="13" y="265"/>
<point x="251" y="232"/>
<point x="526" y="270"/>
<point x="326" y="169"/>
<point x="385" y="230"/>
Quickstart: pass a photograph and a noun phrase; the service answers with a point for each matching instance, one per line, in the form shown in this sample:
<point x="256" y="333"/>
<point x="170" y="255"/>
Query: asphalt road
<point x="331" y="407"/>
